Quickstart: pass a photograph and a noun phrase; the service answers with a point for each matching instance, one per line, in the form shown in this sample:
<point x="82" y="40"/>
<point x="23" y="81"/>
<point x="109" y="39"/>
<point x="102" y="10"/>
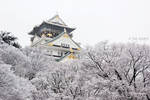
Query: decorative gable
<point x="57" y="20"/>
<point x="66" y="40"/>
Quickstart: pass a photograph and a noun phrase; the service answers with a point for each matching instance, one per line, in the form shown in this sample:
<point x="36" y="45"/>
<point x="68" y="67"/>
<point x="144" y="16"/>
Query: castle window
<point x="65" y="45"/>
<point x="60" y="53"/>
<point x="49" y="52"/>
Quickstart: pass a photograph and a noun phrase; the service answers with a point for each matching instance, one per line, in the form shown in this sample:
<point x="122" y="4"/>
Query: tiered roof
<point x="55" y="22"/>
<point x="59" y="32"/>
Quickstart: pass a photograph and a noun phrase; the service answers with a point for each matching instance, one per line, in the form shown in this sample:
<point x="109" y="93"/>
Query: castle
<point x="55" y="37"/>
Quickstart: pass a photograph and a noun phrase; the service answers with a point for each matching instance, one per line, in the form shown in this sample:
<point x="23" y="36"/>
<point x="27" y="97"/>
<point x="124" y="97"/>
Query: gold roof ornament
<point x="50" y="44"/>
<point x="79" y="48"/>
<point x="49" y="34"/>
<point x="66" y="35"/>
<point x="71" y="50"/>
<point x="71" y="56"/>
<point x="57" y="16"/>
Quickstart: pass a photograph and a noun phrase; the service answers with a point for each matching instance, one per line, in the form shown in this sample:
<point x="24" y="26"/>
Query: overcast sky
<point x="95" y="20"/>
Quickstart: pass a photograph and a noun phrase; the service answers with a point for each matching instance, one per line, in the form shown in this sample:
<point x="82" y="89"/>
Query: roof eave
<point x="60" y="25"/>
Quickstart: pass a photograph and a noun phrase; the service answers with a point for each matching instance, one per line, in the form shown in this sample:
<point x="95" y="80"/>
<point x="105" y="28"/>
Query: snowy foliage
<point x="104" y="72"/>
<point x="6" y="37"/>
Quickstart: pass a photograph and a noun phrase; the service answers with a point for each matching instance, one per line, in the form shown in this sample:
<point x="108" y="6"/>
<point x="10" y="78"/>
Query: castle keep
<point x="55" y="37"/>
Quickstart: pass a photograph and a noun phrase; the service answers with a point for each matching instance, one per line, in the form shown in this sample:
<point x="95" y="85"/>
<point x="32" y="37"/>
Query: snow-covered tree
<point x="118" y="71"/>
<point x="104" y="72"/>
<point x="9" y="39"/>
<point x="13" y="87"/>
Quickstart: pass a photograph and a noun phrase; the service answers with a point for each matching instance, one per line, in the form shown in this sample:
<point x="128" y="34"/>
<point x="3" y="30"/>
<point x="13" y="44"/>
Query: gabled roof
<point x="60" y="35"/>
<point x="56" y="20"/>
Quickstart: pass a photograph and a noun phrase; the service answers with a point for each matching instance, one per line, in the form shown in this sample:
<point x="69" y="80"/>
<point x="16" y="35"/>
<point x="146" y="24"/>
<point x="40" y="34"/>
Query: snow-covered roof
<point x="56" y="20"/>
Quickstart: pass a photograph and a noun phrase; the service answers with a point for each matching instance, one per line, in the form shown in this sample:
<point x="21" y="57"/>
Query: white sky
<point x="95" y="20"/>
